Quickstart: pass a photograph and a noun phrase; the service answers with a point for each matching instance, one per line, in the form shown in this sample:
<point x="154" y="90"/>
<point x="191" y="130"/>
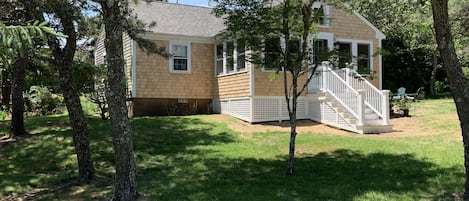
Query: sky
<point x="191" y="2"/>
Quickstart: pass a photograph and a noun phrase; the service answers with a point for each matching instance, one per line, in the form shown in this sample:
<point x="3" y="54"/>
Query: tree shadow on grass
<point x="43" y="157"/>
<point x="50" y="154"/>
<point x="338" y="175"/>
<point x="176" y="161"/>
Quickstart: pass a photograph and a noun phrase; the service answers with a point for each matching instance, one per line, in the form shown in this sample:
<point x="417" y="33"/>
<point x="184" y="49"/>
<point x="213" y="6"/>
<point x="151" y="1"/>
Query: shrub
<point x="40" y="101"/>
<point x="3" y="115"/>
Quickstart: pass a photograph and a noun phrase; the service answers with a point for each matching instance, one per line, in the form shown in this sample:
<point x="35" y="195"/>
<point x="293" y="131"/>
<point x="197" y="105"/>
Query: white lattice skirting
<point x="259" y="108"/>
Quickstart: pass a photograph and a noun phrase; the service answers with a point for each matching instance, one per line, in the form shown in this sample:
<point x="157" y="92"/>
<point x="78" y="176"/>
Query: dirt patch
<point x="402" y="127"/>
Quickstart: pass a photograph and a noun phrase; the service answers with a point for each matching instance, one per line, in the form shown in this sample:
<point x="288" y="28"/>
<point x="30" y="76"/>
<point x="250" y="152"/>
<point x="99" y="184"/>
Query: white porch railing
<point x="375" y="99"/>
<point x="343" y="93"/>
<point x="352" y="91"/>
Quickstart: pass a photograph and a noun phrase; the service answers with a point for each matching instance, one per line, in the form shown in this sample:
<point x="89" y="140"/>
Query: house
<point x="201" y="76"/>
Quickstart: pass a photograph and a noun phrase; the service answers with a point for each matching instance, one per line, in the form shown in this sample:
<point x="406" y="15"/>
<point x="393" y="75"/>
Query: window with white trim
<point x="363" y="58"/>
<point x="241" y="56"/>
<point x="320" y="14"/>
<point x="272" y="50"/>
<point x="320" y="51"/>
<point x="220" y="58"/>
<point x="345" y="54"/>
<point x="180" y="57"/>
<point x="355" y="52"/>
<point x="230" y="58"/>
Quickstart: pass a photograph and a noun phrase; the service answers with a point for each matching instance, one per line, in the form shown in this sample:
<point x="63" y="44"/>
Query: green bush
<point x="466" y="71"/>
<point x="3" y="115"/>
<point x="40" y="101"/>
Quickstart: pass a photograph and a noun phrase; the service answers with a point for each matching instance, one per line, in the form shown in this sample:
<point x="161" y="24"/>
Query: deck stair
<point x="346" y="100"/>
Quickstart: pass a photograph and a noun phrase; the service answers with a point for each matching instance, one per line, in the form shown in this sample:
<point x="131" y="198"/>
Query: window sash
<point x="229" y="57"/>
<point x="320" y="51"/>
<point x="345" y="54"/>
<point x="180" y="64"/>
<point x="272" y="50"/>
<point x="363" y="58"/>
<point x="180" y="57"/>
<point x="219" y="59"/>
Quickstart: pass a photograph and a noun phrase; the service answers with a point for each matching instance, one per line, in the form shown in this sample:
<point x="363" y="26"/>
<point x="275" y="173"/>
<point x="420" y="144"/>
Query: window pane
<point x="345" y="54"/>
<point x="241" y="62"/>
<point x="180" y="64"/>
<point x="219" y="57"/>
<point x="241" y="49"/>
<point x="180" y="51"/>
<point x="319" y="16"/>
<point x="220" y="51"/>
<point x="272" y="53"/>
<point x="363" y="58"/>
<point x="320" y="51"/>
<point x="294" y="46"/>
<point x="220" y="66"/>
<point x="229" y="57"/>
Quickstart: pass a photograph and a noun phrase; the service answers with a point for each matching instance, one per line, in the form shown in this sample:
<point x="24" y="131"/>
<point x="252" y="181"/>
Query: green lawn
<point x="196" y="158"/>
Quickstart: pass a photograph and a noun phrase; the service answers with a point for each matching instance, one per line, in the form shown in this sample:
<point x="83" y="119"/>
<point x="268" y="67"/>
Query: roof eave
<point x="178" y="37"/>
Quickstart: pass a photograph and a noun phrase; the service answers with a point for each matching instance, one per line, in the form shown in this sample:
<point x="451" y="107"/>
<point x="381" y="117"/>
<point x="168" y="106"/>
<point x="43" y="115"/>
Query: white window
<point x="220" y="59"/>
<point x="274" y="48"/>
<point x="321" y="14"/>
<point x="180" y="58"/>
<point x="272" y="52"/>
<point x="356" y="52"/>
<point x="320" y="51"/>
<point x="229" y="51"/>
<point x="345" y="54"/>
<point x="363" y="58"/>
<point x="230" y="58"/>
<point x="241" y="56"/>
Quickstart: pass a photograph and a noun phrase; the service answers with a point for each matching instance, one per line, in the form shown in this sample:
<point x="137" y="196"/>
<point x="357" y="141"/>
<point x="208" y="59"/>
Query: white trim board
<point x="134" y="69"/>
<point x="176" y="37"/>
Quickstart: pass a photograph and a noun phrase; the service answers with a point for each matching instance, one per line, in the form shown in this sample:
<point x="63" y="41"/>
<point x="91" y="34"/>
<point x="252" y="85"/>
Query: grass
<point x="196" y="158"/>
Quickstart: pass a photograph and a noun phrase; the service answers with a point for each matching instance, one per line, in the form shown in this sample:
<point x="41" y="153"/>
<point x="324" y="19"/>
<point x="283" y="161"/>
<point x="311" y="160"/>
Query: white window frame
<point x="354" y="45"/>
<point x="370" y="55"/>
<point x="326" y="23"/>
<point x="223" y="59"/>
<point x="321" y="36"/>
<point x="236" y="55"/>
<point x="171" y="58"/>
<point x="233" y="58"/>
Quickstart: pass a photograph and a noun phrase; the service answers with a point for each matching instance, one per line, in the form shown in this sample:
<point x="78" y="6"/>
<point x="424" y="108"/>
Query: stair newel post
<point x="347" y="77"/>
<point x="385" y="105"/>
<point x="361" y="107"/>
<point x="325" y="78"/>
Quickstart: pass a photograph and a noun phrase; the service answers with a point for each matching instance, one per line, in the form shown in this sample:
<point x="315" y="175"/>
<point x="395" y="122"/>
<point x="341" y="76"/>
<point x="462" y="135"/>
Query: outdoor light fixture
<point x="336" y="45"/>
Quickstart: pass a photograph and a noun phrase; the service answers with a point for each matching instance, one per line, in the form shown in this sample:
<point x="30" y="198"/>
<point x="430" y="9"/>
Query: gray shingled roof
<point x="179" y="19"/>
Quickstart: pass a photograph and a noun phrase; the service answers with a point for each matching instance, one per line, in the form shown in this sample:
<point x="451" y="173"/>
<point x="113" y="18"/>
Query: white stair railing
<point x="346" y="85"/>
<point x="343" y="93"/>
<point x="375" y="99"/>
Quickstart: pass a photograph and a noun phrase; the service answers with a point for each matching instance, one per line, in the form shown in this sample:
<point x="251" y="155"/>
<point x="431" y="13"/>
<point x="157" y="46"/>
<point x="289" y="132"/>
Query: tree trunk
<point x="125" y="182"/>
<point x="434" y="71"/>
<point x="458" y="82"/>
<point x="63" y="59"/>
<point x="291" y="153"/>
<point x="17" y="115"/>
<point x="6" y="89"/>
<point x="78" y="122"/>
